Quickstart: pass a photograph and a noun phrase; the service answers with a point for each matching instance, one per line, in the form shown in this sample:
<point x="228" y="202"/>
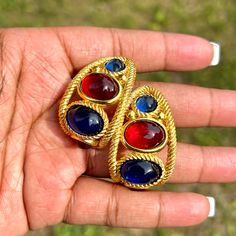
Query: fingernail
<point x="216" y="54"/>
<point x="212" y="203"/>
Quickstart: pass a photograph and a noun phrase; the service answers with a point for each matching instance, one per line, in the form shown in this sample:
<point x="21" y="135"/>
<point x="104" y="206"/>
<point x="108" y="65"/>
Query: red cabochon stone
<point x="144" y="134"/>
<point x="99" y="86"/>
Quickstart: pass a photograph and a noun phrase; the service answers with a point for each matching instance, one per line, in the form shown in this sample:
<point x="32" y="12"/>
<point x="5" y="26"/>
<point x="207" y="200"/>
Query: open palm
<point x="42" y="168"/>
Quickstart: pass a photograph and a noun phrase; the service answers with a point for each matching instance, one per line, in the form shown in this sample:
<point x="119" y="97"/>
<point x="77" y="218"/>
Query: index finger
<point x="151" y="51"/>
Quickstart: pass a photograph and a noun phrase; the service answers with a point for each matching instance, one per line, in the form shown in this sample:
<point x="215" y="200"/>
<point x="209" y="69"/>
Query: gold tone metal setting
<point x="157" y="148"/>
<point x="91" y="140"/>
<point x="104" y="102"/>
<point x="139" y="156"/>
<point x="125" y="113"/>
<point x="125" y="81"/>
<point x="161" y="115"/>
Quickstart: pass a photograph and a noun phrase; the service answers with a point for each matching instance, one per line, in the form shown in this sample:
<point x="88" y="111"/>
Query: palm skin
<point x="42" y="168"/>
<point x="33" y="142"/>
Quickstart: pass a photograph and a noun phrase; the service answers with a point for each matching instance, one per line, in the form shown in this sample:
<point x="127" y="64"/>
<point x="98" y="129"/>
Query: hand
<point x="42" y="168"/>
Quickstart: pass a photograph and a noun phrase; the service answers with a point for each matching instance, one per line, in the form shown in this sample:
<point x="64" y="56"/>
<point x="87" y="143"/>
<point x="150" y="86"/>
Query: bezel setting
<point x="124" y="71"/>
<point x="154" y="149"/>
<point x="142" y="100"/>
<point x="91" y="140"/>
<point x="122" y="64"/>
<point x="104" y="102"/>
<point x="75" y="95"/>
<point x="145" y="157"/>
<point x="161" y="116"/>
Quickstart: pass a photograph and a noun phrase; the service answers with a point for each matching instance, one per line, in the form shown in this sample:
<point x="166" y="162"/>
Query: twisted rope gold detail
<point x="126" y="79"/>
<point x="126" y="110"/>
<point x="163" y="115"/>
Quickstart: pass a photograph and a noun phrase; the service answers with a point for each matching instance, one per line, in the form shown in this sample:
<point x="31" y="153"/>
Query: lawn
<point x="214" y="20"/>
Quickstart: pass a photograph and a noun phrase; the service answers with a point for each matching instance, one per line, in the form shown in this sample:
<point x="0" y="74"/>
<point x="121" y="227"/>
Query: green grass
<point x="214" y="20"/>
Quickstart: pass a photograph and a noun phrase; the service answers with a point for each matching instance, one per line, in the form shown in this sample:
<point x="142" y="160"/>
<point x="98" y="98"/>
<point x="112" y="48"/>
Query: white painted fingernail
<point x="212" y="203"/>
<point x="216" y="54"/>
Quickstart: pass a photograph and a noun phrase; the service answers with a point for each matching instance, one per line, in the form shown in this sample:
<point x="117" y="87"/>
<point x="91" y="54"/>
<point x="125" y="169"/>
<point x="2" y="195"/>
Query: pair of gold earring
<point x="100" y="108"/>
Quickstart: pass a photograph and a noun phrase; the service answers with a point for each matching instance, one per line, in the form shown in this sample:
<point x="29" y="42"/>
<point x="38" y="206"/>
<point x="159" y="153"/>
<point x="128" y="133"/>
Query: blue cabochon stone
<point x="115" y="65"/>
<point x="146" y="103"/>
<point x="84" y="120"/>
<point x="140" y="171"/>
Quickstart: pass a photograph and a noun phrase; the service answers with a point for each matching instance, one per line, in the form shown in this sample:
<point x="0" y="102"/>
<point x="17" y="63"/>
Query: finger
<point x="72" y="48"/>
<point x="206" y="164"/>
<point x="150" y="50"/>
<point x="115" y="205"/>
<point x="194" y="106"/>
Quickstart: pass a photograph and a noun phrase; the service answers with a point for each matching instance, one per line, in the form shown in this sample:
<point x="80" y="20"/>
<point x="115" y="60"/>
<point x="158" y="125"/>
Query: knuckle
<point x="115" y="42"/>
<point x="112" y="214"/>
<point x="214" y="105"/>
<point x="165" y="52"/>
<point x="159" y="210"/>
<point x="202" y="163"/>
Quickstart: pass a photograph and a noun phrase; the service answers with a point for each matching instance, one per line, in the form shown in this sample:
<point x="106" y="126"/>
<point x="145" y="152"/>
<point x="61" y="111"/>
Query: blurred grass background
<point x="214" y="20"/>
